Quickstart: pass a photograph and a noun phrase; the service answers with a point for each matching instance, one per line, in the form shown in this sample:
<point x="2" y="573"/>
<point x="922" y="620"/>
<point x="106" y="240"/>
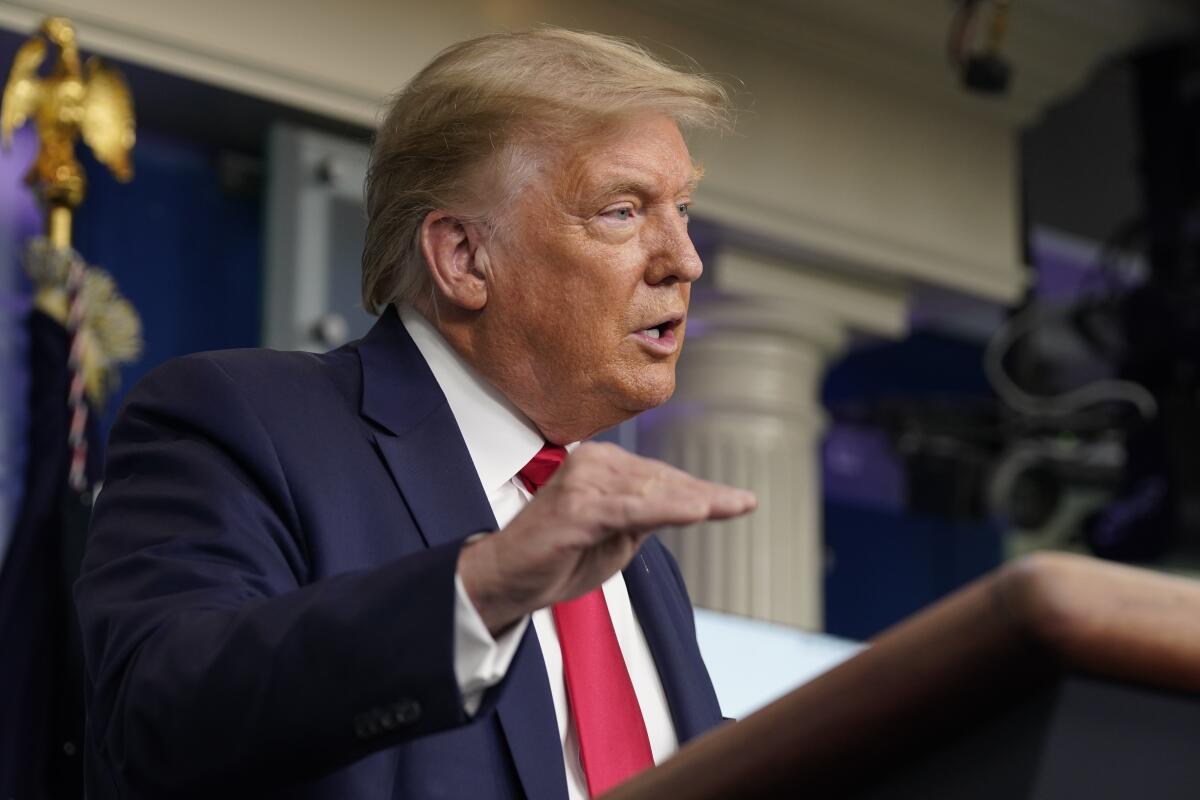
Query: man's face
<point x="590" y="281"/>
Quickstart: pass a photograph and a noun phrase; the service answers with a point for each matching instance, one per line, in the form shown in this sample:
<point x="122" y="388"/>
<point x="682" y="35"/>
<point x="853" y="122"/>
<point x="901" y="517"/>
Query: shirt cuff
<point x="480" y="661"/>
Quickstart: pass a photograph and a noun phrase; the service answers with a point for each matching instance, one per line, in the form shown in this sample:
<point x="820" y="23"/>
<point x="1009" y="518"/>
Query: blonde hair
<point x="479" y="116"/>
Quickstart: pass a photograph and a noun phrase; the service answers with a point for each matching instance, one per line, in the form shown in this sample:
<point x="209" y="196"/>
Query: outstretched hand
<point x="583" y="526"/>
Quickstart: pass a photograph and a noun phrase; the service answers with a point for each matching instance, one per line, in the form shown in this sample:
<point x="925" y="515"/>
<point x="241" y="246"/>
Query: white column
<point x="747" y="412"/>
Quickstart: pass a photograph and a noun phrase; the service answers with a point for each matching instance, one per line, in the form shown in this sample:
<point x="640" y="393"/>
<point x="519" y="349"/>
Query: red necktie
<point x="613" y="743"/>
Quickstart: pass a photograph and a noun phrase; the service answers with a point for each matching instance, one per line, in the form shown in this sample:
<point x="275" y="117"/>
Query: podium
<point x="1057" y="676"/>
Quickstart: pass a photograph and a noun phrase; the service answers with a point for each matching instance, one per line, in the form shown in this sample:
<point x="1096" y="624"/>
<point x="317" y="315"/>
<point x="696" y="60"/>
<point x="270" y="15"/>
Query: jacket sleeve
<point x="213" y="661"/>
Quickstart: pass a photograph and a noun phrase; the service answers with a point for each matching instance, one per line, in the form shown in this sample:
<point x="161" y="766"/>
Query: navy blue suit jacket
<point x="267" y="596"/>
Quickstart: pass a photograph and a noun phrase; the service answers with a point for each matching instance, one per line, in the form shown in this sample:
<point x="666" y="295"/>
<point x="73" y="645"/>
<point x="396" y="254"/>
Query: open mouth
<point x="661" y="329"/>
<point x="662" y="334"/>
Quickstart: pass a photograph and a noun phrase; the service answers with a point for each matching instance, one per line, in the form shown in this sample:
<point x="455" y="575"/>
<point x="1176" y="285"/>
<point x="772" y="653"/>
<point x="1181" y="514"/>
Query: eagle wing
<point x="23" y="92"/>
<point x="107" y="124"/>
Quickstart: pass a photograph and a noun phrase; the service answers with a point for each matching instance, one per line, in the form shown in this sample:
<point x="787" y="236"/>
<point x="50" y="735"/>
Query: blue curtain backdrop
<point x="183" y="248"/>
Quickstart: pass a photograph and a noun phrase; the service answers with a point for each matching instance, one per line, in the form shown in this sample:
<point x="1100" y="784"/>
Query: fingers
<point x="682" y="503"/>
<point x="642" y="492"/>
<point x="614" y="469"/>
<point x="731" y="502"/>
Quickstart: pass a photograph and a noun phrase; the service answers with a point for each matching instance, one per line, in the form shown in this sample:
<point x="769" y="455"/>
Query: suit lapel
<point x="526" y="712"/>
<point x="419" y="438"/>
<point x="685" y="680"/>
<point x="424" y="451"/>
<point x="433" y="471"/>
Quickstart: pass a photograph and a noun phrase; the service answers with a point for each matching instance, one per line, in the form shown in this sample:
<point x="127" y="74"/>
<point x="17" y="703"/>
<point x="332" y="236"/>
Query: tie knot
<point x="542" y="466"/>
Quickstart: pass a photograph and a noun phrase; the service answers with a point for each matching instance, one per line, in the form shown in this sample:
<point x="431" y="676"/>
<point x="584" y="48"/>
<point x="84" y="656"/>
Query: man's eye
<point x="684" y="208"/>
<point x="623" y="214"/>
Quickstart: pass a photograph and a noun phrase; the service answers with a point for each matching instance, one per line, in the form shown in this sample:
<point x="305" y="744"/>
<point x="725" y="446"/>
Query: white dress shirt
<point x="501" y="440"/>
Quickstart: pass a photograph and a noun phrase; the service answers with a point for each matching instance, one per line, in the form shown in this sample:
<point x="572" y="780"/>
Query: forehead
<point x="646" y="154"/>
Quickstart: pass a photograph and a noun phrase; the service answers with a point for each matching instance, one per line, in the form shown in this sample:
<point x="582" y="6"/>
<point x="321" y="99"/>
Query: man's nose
<point x="675" y="260"/>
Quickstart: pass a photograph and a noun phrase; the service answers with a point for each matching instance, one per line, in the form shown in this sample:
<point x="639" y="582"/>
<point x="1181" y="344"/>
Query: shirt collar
<point x="500" y="439"/>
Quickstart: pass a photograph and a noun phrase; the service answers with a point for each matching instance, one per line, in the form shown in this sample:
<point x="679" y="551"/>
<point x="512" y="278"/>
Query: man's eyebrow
<point x="622" y="186"/>
<point x="642" y="189"/>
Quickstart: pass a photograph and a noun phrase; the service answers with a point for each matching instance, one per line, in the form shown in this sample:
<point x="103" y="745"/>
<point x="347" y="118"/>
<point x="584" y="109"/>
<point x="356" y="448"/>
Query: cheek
<point x="594" y="299"/>
<point x="528" y="298"/>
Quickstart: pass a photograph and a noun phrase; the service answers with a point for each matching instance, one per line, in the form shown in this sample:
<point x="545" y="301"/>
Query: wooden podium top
<point x="963" y="657"/>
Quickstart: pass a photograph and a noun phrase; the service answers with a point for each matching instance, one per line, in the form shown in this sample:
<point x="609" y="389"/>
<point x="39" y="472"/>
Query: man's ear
<point x="451" y="250"/>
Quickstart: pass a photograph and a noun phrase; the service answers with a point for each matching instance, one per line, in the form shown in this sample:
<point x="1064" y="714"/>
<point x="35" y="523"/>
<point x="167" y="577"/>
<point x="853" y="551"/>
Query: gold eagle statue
<point x="89" y="100"/>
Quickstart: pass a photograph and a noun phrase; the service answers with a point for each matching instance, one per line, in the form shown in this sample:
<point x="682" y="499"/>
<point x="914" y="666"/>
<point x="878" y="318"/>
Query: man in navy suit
<point x="392" y="570"/>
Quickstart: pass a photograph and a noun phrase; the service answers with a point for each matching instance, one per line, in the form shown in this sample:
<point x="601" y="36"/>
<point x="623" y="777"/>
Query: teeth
<point x="653" y="333"/>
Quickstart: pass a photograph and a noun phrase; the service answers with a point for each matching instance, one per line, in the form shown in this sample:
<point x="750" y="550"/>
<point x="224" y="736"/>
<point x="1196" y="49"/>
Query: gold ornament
<point x="91" y="100"/>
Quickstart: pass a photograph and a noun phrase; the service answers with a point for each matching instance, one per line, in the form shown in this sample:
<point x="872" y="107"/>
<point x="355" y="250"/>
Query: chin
<point x="647" y="393"/>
